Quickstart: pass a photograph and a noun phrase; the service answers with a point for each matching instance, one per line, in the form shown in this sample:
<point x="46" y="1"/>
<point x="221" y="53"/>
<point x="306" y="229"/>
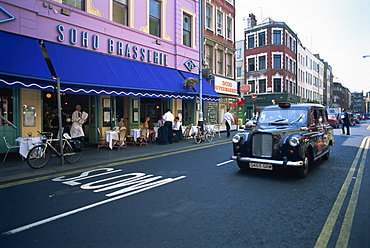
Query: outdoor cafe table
<point x="136" y="133"/>
<point x="110" y="136"/>
<point x="26" y="144"/>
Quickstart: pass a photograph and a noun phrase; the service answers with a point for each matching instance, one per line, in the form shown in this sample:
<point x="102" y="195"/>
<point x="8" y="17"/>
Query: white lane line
<point x="226" y="162"/>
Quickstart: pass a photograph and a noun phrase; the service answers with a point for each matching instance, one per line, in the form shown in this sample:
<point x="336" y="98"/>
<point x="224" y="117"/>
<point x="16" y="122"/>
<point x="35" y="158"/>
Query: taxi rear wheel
<point x="303" y="170"/>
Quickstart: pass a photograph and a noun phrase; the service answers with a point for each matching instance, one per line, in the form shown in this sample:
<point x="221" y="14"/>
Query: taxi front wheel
<point x="303" y="170"/>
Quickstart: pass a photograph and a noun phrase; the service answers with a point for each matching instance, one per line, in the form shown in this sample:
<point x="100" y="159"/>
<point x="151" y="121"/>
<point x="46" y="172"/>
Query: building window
<point x="229" y="33"/>
<point x="262" y="39"/>
<point x="277" y="84"/>
<point x="276" y="37"/>
<point x="262" y="86"/>
<point x="277" y="61"/>
<point x="209" y="11"/>
<point x="250" y="41"/>
<point x="79" y="4"/>
<point x="229" y="65"/>
<point x="239" y="54"/>
<point x="219" y="23"/>
<point x="186" y="30"/>
<point x="239" y="72"/>
<point x="261" y="62"/>
<point x="251" y="64"/>
<point x="253" y="86"/>
<point x="120" y="11"/>
<point x="6" y="106"/>
<point x="220" y="62"/>
<point x="155" y="18"/>
<point x="209" y="56"/>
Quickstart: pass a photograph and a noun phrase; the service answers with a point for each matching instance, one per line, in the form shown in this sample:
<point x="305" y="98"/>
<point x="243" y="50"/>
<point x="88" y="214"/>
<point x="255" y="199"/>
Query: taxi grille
<point x="262" y="145"/>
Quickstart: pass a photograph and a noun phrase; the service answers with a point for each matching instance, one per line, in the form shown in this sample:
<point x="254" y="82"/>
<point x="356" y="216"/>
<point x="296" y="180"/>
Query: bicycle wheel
<point x="70" y="155"/>
<point x="197" y="138"/>
<point x="38" y="156"/>
<point x="209" y="136"/>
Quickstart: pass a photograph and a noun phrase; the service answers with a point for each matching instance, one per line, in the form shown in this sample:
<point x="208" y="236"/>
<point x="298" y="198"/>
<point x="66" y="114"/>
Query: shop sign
<point x="226" y="86"/>
<point x="117" y="47"/>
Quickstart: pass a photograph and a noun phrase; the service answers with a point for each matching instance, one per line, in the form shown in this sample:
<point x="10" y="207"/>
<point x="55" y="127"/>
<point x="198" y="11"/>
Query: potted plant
<point x="190" y="82"/>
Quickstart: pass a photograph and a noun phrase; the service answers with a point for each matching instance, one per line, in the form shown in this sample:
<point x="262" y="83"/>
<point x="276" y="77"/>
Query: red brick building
<point x="270" y="57"/>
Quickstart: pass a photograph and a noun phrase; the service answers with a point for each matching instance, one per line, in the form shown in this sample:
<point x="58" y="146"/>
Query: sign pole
<point x="200" y="121"/>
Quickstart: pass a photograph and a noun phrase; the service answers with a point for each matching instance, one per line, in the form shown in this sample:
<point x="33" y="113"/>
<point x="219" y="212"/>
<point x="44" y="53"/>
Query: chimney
<point x="251" y="20"/>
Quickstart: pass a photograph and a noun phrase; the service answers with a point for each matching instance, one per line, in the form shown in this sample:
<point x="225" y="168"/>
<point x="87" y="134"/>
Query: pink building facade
<point x="122" y="60"/>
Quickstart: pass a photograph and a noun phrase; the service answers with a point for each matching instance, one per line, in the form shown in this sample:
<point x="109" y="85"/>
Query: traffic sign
<point x="254" y="97"/>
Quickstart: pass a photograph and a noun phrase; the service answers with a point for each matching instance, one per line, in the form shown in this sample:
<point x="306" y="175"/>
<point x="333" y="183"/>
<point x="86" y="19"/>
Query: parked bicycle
<point x="203" y="134"/>
<point x="39" y="155"/>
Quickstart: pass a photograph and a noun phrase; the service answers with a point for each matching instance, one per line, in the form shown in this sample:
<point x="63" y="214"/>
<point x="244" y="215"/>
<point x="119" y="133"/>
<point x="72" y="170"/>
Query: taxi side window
<point x="321" y="116"/>
<point x="313" y="117"/>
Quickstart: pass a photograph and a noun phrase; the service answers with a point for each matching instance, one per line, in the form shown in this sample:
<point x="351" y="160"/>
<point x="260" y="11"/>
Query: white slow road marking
<point x="226" y="162"/>
<point x="41" y="222"/>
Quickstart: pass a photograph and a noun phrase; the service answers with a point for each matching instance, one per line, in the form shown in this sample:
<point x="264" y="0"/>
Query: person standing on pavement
<point x="345" y="121"/>
<point x="169" y="118"/>
<point x="228" y="118"/>
<point x="78" y="118"/>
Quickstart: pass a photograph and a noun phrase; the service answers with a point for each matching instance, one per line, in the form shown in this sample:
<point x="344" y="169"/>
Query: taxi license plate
<point x="260" y="166"/>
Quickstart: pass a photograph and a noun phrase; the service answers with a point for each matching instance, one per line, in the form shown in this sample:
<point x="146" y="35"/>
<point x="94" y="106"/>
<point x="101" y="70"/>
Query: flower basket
<point x="190" y="82"/>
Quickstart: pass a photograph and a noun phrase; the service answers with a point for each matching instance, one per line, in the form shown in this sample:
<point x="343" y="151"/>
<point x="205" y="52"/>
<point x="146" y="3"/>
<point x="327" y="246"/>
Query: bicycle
<point x="202" y="135"/>
<point x="40" y="154"/>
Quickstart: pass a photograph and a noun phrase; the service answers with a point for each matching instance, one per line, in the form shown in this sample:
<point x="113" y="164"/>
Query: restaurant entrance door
<point x="188" y="112"/>
<point x="93" y="117"/>
<point x="9" y="111"/>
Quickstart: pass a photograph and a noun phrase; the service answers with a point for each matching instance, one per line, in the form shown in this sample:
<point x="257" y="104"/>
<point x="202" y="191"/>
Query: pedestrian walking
<point x="228" y="118"/>
<point x="169" y="118"/>
<point x="345" y="121"/>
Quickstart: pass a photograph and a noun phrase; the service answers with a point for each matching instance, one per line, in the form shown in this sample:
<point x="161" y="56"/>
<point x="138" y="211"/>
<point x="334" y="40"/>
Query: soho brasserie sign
<point x="114" y="47"/>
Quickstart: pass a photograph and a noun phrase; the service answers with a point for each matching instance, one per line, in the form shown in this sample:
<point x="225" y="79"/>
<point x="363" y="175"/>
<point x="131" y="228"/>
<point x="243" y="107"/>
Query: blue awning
<point x="22" y="63"/>
<point x="208" y="93"/>
<point x="87" y="72"/>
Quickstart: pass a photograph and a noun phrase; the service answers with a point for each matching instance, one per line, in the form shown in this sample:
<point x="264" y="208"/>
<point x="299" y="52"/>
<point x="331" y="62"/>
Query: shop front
<point x="110" y="89"/>
<point x="228" y="90"/>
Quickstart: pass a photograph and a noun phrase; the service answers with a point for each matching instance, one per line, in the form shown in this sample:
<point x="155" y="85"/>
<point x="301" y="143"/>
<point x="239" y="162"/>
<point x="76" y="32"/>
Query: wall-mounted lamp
<point x="158" y="42"/>
<point x="48" y="95"/>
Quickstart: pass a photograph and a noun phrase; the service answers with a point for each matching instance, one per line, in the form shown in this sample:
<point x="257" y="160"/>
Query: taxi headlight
<point x="293" y="141"/>
<point x="236" y="138"/>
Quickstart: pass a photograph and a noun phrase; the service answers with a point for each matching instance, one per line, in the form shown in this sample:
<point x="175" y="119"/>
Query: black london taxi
<point x="288" y="135"/>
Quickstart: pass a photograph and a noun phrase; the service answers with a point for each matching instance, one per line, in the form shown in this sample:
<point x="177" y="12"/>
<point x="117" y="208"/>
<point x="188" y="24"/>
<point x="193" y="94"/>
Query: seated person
<point x="160" y="121"/>
<point x="176" y="129"/>
<point x="151" y="132"/>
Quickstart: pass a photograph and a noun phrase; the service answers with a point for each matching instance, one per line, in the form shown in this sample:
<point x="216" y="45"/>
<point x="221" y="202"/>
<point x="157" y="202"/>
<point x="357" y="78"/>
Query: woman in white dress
<point x="78" y="118"/>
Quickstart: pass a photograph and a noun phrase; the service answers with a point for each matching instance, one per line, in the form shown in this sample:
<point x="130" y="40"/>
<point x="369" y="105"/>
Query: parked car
<point x="352" y="120"/>
<point x="333" y="121"/>
<point x="288" y="136"/>
<point x="250" y="124"/>
<point x="357" y="119"/>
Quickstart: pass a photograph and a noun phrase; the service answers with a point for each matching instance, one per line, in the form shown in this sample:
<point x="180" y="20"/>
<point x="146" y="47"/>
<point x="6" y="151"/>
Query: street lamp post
<point x="200" y="120"/>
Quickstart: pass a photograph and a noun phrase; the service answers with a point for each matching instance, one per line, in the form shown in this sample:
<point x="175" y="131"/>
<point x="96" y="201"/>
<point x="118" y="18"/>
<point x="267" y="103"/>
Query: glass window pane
<point x="120" y="13"/>
<point x="155" y="9"/>
<point x="154" y="27"/>
<point x="6" y="106"/>
<point x="80" y="4"/>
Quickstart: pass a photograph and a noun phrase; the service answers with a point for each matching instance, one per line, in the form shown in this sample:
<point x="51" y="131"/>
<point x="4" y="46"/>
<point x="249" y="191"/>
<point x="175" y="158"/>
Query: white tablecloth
<point x="110" y="136"/>
<point x="26" y="144"/>
<point x="135" y="133"/>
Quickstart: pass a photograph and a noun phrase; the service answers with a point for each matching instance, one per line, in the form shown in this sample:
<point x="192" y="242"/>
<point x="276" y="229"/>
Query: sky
<point x="338" y="30"/>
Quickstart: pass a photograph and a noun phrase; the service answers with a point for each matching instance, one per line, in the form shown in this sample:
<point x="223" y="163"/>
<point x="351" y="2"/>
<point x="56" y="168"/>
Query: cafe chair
<point x="216" y="129"/>
<point x="121" y="142"/>
<point x="130" y="139"/>
<point x="187" y="134"/>
<point x="8" y="146"/>
<point x="102" y="141"/>
<point x="143" y="138"/>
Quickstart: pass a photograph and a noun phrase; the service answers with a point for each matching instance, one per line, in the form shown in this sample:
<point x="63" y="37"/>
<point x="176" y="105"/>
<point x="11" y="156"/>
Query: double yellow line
<point x="345" y="231"/>
<point x="132" y="160"/>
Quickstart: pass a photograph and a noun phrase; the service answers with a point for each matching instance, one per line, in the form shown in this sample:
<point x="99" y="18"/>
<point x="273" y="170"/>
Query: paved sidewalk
<point x="15" y="168"/>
